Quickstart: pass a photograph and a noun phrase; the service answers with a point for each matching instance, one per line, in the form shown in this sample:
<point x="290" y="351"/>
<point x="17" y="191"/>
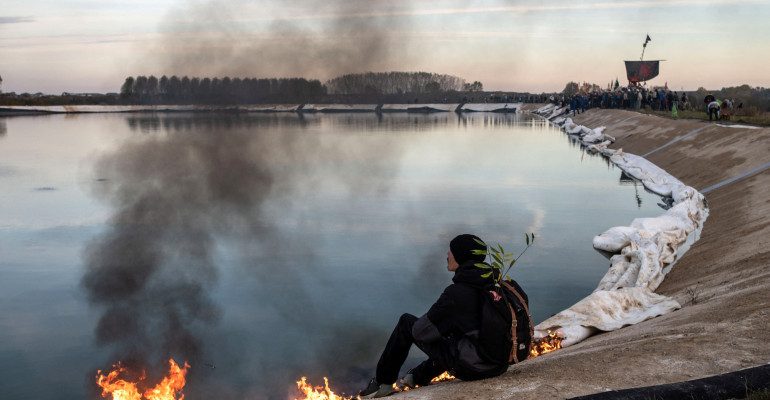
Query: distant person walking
<point x="712" y="106"/>
<point x="713" y="110"/>
<point x="573" y="105"/>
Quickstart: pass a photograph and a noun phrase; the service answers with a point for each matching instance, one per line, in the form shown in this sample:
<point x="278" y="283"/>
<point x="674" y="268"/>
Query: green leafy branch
<point x="500" y="259"/>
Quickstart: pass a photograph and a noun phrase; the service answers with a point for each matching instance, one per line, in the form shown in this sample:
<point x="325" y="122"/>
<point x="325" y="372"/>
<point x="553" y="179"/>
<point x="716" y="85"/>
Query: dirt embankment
<point x="723" y="282"/>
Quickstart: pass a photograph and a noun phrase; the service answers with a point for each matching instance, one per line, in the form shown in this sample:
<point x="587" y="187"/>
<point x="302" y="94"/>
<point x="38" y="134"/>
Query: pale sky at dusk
<point x="92" y="45"/>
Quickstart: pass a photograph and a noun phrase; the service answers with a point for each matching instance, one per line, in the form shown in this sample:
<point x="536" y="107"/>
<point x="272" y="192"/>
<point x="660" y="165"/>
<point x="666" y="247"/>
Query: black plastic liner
<point x="733" y="385"/>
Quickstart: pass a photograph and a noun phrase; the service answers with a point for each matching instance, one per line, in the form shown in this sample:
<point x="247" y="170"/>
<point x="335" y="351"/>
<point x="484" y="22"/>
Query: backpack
<point x="506" y="329"/>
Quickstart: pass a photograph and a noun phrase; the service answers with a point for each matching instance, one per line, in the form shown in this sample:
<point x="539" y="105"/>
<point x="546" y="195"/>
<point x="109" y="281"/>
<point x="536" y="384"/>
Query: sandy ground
<point x="723" y="282"/>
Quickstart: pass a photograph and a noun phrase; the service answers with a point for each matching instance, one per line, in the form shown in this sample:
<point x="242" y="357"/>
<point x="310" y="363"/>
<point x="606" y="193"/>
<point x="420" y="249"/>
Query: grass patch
<point x="759" y="119"/>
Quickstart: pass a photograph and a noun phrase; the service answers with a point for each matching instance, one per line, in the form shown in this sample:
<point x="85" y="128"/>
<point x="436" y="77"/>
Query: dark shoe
<point x="406" y="382"/>
<point x="374" y="390"/>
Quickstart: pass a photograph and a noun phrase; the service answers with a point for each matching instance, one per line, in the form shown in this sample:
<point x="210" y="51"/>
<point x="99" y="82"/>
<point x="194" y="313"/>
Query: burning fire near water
<point x="325" y="393"/>
<point x="119" y="384"/>
<point x="547" y="344"/>
<point x="123" y="384"/>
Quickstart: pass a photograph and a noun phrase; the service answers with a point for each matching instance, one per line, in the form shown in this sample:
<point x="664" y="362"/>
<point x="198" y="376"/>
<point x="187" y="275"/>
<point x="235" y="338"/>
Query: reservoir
<point x="264" y="247"/>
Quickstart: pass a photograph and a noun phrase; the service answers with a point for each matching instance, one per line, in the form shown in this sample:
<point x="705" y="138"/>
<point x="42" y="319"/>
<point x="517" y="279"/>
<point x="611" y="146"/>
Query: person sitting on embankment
<point x="443" y="333"/>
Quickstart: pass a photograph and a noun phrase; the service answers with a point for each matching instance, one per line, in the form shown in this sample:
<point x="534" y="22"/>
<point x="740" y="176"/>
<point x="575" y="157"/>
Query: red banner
<point x="638" y="71"/>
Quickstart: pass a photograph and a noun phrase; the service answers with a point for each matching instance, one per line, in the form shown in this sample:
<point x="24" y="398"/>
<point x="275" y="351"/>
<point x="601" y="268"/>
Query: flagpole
<point x="644" y="47"/>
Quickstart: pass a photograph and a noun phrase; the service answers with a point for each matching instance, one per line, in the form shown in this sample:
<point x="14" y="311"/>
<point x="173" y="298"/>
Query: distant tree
<point x="195" y="88"/>
<point x="391" y="83"/>
<point x="571" y="89"/>
<point x="204" y="90"/>
<point x="163" y="86"/>
<point x="174" y="89"/>
<point x="140" y="88"/>
<point x="476" y="86"/>
<point x="127" y="90"/>
<point x="152" y="88"/>
<point x="185" y="90"/>
<point x="432" y="87"/>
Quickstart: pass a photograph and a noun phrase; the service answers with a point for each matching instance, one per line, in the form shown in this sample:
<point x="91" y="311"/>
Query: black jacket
<point x="458" y="310"/>
<point x="456" y="316"/>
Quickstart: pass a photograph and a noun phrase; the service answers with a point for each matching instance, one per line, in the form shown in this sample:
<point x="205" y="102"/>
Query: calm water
<point x="264" y="247"/>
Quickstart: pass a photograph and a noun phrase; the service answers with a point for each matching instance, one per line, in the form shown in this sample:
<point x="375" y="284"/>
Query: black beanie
<point x="461" y="248"/>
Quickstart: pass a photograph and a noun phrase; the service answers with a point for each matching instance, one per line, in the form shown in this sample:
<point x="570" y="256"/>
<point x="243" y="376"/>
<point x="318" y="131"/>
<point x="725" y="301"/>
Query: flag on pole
<point x="647" y="40"/>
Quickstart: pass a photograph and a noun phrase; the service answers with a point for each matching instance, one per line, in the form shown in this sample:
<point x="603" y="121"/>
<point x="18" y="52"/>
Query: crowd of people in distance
<point x="636" y="97"/>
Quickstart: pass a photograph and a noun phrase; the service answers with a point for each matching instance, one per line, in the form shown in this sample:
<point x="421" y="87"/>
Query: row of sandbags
<point x="643" y="253"/>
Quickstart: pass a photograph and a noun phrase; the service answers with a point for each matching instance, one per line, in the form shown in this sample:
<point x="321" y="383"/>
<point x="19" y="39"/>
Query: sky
<point x="53" y="46"/>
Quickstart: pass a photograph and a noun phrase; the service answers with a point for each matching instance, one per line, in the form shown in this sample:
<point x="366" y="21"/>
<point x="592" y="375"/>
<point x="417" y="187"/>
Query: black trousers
<point x="442" y="355"/>
<point x="714" y="112"/>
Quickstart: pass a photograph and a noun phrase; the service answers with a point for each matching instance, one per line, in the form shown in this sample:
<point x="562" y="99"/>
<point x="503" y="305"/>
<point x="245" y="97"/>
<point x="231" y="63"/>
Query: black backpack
<point x="506" y="329"/>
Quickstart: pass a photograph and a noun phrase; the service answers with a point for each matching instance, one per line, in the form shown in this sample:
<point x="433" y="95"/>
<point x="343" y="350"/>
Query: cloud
<point x="492" y="9"/>
<point x="15" y="20"/>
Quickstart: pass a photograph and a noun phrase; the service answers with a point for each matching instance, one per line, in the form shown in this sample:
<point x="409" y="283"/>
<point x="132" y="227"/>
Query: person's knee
<point x="407" y="319"/>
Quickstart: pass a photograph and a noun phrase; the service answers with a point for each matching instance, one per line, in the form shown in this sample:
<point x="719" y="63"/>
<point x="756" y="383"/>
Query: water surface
<point x="264" y="247"/>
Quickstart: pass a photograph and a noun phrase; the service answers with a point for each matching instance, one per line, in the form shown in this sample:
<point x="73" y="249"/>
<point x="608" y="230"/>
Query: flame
<point x="546" y="344"/>
<point x="445" y="376"/>
<point x="318" y="392"/>
<point x="114" y="385"/>
<point x="325" y="392"/>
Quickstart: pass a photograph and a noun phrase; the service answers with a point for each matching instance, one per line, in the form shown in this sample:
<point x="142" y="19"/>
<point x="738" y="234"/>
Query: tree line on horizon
<point x="149" y="89"/>
<point x="368" y="86"/>
<point x="396" y="82"/>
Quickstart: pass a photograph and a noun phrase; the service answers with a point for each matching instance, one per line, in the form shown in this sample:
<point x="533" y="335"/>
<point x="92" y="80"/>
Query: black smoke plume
<point x="177" y="193"/>
<point x="309" y="38"/>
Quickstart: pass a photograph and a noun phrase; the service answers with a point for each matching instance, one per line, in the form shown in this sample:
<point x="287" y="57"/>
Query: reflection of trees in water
<point x="3" y="128"/>
<point x="173" y="122"/>
<point x="351" y="121"/>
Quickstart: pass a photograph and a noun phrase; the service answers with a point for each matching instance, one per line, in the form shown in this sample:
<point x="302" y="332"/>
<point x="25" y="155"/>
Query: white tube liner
<point x="491" y="107"/>
<point x="331" y="108"/>
<point x="419" y="107"/>
<point x="606" y="310"/>
<point x="644" y="252"/>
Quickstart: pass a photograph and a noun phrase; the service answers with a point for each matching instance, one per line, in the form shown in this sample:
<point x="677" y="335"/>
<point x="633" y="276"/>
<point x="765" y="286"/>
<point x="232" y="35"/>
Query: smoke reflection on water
<point x="193" y="181"/>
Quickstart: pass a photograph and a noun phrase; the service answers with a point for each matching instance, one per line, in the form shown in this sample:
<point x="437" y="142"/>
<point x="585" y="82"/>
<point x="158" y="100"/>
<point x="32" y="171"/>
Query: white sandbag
<point x="614" y="239"/>
<point x="574" y="129"/>
<point x="599" y="147"/>
<point x="645" y="251"/>
<point x="592" y="135"/>
<point x="652" y="176"/>
<point x="557" y="112"/>
<point x="607" y="310"/>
